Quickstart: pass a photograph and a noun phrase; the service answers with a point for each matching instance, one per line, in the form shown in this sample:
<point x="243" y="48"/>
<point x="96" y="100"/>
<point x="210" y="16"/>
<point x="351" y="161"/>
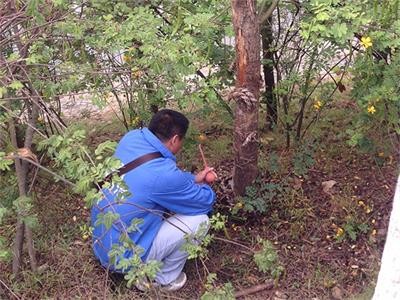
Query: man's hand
<point x="201" y="176"/>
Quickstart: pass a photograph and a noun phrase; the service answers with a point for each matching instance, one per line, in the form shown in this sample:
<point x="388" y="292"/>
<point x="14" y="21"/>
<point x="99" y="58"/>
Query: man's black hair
<point x="167" y="122"/>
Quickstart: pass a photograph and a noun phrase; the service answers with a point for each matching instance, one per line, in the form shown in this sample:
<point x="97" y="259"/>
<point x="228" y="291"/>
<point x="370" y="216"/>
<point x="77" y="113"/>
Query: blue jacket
<point x="155" y="186"/>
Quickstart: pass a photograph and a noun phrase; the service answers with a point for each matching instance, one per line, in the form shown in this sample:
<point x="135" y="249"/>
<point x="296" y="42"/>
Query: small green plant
<point x="218" y="221"/>
<point x="24" y="207"/>
<point x="303" y="159"/>
<point x="86" y="231"/>
<point x="274" y="166"/>
<point x="224" y="292"/>
<point x="351" y="230"/>
<point x="259" y="196"/>
<point x="267" y="259"/>
<point x="196" y="244"/>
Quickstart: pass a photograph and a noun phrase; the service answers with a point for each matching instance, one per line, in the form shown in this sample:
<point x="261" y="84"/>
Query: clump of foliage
<point x="196" y="244"/>
<point x="351" y="230"/>
<point x="225" y="292"/>
<point x="259" y="197"/>
<point x="371" y="29"/>
<point x="267" y="259"/>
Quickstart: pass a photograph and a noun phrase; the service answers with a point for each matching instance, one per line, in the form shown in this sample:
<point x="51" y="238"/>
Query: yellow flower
<point x="239" y="205"/>
<point x="373" y="232"/>
<point x="317" y="105"/>
<point x="137" y="74"/>
<point x="339" y="232"/>
<point x="366" y="42"/>
<point x="127" y="58"/>
<point x="371" y="109"/>
<point x="361" y="203"/>
<point x="202" y="138"/>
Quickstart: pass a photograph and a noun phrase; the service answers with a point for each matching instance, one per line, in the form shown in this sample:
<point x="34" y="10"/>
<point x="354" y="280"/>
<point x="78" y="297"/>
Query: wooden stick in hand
<point x="211" y="176"/>
<point x="202" y="156"/>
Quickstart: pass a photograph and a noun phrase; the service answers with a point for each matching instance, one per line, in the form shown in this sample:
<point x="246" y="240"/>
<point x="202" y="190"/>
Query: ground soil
<point x="316" y="264"/>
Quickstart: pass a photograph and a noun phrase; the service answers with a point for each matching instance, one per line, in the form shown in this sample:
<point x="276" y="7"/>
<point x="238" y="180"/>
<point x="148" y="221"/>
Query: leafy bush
<point x="303" y="159"/>
<point x="259" y="196"/>
<point x="267" y="259"/>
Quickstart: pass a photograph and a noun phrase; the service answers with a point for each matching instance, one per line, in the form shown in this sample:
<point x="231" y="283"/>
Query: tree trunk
<point x="268" y="70"/>
<point x="246" y="93"/>
<point x="21" y="170"/>
<point x="21" y="178"/>
<point x="18" y="246"/>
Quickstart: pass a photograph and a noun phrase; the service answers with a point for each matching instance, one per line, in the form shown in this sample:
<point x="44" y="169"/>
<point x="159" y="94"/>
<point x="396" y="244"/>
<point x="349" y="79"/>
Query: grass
<point x="298" y="220"/>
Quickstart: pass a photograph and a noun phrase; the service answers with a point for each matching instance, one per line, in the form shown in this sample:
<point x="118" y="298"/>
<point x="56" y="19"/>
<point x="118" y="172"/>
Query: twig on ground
<point x="8" y="289"/>
<point x="233" y="242"/>
<point x="255" y="289"/>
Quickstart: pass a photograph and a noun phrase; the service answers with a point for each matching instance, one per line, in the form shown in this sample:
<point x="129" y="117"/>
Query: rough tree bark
<point x="268" y="70"/>
<point x="246" y="93"/>
<point x="20" y="230"/>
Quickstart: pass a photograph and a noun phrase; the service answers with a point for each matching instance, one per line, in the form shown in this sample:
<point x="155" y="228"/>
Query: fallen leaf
<point x="281" y="295"/>
<point x="327" y="185"/>
<point x="297" y="183"/>
<point x="337" y="293"/>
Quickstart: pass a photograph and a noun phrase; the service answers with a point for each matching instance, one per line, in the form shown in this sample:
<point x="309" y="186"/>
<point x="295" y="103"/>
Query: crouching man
<point x="157" y="187"/>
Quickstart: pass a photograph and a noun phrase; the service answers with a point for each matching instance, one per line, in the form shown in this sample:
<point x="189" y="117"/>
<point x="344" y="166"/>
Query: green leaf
<point x="322" y="16"/>
<point x="59" y="3"/>
<point x="16" y="85"/>
<point x="13" y="56"/>
<point x="31" y="221"/>
<point x="3" y="212"/>
<point x="103" y="148"/>
<point x="23" y="205"/>
<point x="107" y="219"/>
<point x="33" y="10"/>
<point x="5" y="255"/>
<point x="108" y="17"/>
<point x="135" y="225"/>
<point x="5" y="162"/>
<point x="339" y="30"/>
<point x="3" y="91"/>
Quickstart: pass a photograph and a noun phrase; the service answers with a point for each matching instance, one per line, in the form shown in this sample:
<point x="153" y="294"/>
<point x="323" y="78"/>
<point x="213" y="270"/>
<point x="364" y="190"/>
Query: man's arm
<point x="179" y="193"/>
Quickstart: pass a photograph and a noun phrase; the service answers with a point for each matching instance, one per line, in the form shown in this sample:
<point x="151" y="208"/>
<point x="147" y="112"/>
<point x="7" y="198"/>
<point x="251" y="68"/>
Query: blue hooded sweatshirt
<point x="156" y="186"/>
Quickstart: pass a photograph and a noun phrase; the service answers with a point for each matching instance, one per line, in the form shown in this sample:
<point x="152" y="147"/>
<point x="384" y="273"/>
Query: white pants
<point x="168" y="242"/>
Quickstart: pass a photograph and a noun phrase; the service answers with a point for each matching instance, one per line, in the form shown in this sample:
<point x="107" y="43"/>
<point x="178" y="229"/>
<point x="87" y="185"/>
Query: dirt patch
<point x="317" y="262"/>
